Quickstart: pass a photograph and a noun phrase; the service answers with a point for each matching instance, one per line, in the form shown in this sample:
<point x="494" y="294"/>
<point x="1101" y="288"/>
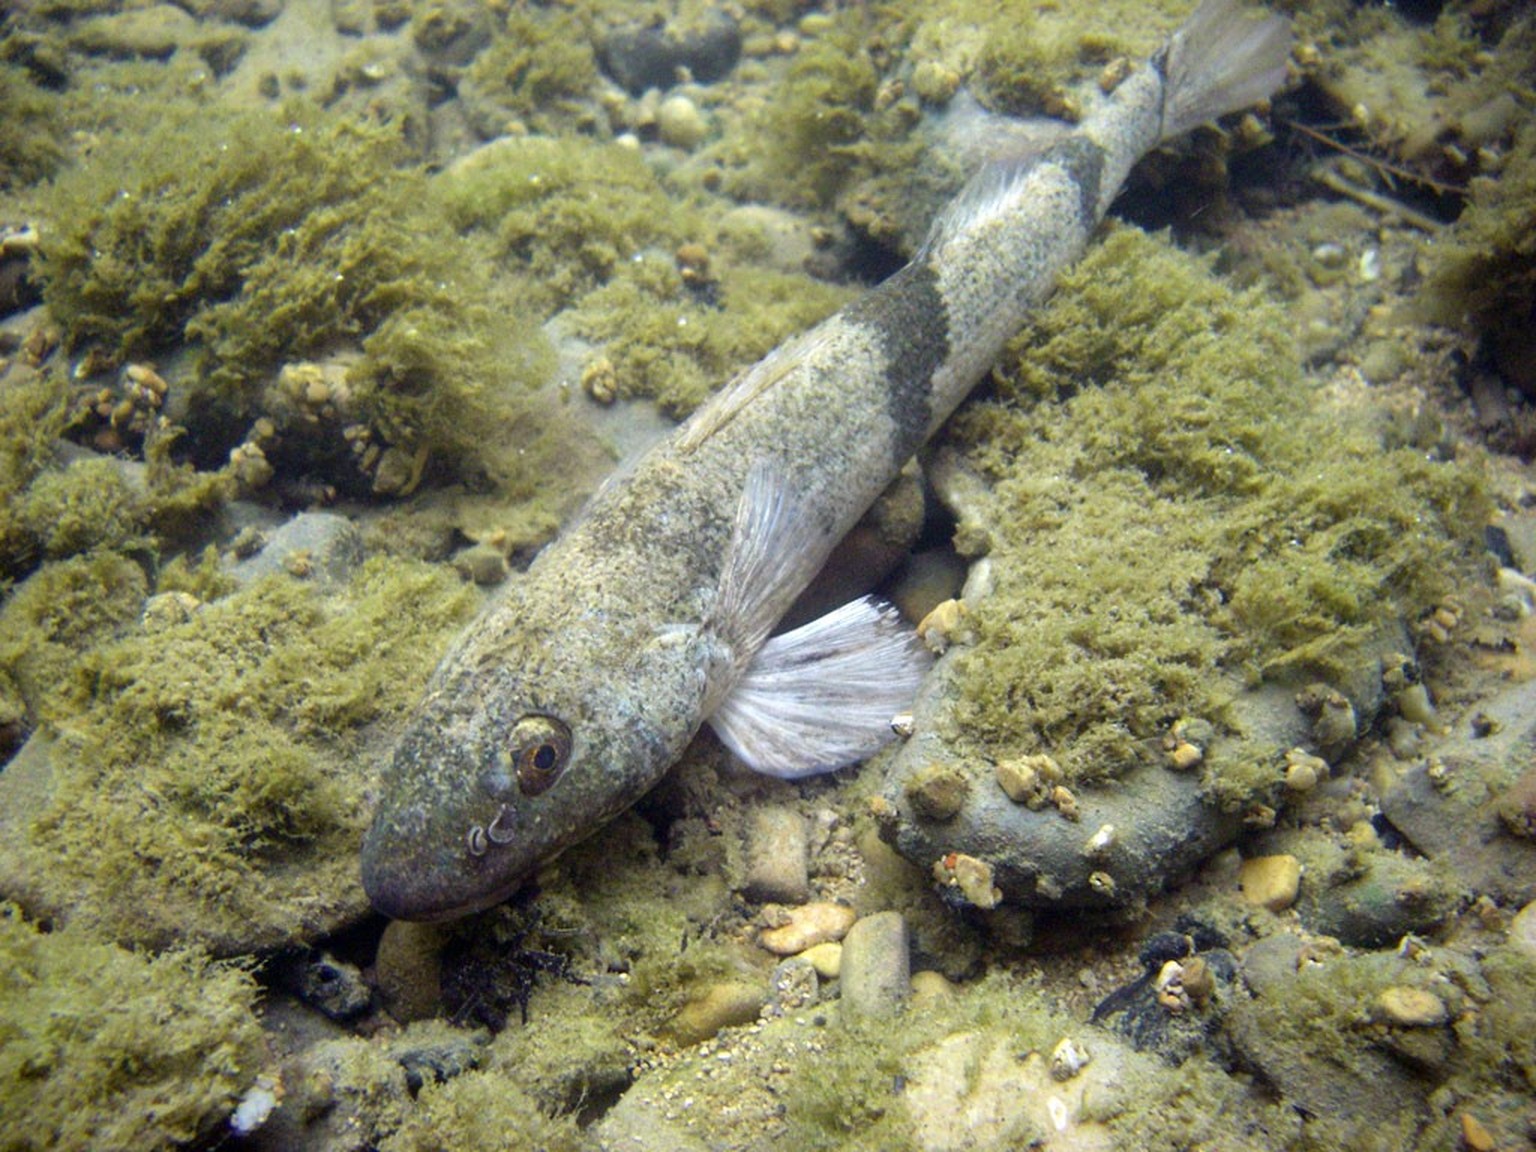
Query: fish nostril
<point x="499" y="833"/>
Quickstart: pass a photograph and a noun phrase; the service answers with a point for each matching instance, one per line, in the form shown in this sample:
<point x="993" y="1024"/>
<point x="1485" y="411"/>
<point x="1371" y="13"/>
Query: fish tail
<point x="1224" y="58"/>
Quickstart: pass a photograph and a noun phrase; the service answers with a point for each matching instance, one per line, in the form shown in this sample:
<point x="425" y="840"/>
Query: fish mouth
<point x="405" y="885"/>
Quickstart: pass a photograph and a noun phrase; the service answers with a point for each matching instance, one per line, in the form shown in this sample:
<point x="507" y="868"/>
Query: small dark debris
<point x="328" y="985"/>
<point x="487" y="974"/>
<point x="434" y="1063"/>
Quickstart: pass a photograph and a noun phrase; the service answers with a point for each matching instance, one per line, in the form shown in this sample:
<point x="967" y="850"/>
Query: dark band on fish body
<point x="908" y="318"/>
<point x="1083" y="160"/>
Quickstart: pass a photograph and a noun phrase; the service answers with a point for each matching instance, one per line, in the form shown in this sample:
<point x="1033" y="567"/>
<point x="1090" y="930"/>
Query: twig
<point x="1331" y="180"/>
<point x="1384" y="166"/>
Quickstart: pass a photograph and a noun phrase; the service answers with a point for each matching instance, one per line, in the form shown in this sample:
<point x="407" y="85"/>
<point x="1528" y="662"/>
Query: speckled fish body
<point x="577" y="690"/>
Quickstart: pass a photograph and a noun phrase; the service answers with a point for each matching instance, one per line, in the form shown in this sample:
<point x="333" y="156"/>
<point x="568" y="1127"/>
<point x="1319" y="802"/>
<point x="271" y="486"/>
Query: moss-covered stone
<point x="484" y="1111"/>
<point x="29" y="147"/>
<point x="89" y="504"/>
<point x="537" y="69"/>
<point x="63" y="611"/>
<point x="1482" y="272"/>
<point x="261" y="238"/>
<point x="105" y="1048"/>
<point x="34" y="409"/>
<point x="812" y="132"/>
<point x="1173" y="518"/>
<point x="218" y="761"/>
<point x="563" y="213"/>
<point x="670" y="344"/>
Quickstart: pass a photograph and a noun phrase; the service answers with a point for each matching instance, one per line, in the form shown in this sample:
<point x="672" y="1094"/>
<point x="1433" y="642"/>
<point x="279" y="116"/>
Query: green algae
<point x="813" y="131"/>
<point x="583" y="222"/>
<point x="982" y="1046"/>
<point x="53" y="510"/>
<point x="203" y="577"/>
<point x="212" y="756"/>
<point x="1324" y="1037"/>
<point x="86" y="506"/>
<point x="562" y="213"/>
<point x="101" y="1047"/>
<point x="668" y="343"/>
<point x="261" y="238"/>
<point x="484" y="1111"/>
<point x="1482" y="273"/>
<point x="1172" y="519"/>
<point x="29" y="147"/>
<point x="535" y="73"/>
<point x="1023" y="69"/>
<point x="62" y="612"/>
<point x="33" y="412"/>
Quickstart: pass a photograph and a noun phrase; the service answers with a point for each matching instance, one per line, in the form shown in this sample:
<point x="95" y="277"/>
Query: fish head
<point x="503" y="766"/>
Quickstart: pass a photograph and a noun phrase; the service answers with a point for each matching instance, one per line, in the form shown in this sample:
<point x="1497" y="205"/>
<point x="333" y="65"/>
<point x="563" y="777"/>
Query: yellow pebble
<point x="1270" y="881"/>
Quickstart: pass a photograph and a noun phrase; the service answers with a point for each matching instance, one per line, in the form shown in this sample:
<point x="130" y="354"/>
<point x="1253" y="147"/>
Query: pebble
<point x="1414" y="704"/>
<point x="720" y="1006"/>
<point x="1522" y="930"/>
<point x="1407" y="1007"/>
<point x="1303" y="770"/>
<point x="1475" y="1135"/>
<point x="680" y="123"/>
<point x="1029" y="779"/>
<point x="1270" y="881"/>
<point x="777" y="856"/>
<point x="826" y="958"/>
<point x="937" y="792"/>
<point x="482" y="564"/>
<point x="641" y="56"/>
<point x="808" y="924"/>
<point x="408" y="970"/>
<point x="931" y="987"/>
<point x="794" y="986"/>
<point x="971" y="877"/>
<point x="877" y="965"/>
<point x="1067" y="1059"/>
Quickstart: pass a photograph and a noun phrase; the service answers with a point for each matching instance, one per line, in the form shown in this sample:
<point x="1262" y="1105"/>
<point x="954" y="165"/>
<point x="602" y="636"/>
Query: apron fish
<point x="652" y="615"/>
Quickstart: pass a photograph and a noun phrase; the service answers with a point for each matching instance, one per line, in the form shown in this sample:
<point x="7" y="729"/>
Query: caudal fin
<point x="1225" y="57"/>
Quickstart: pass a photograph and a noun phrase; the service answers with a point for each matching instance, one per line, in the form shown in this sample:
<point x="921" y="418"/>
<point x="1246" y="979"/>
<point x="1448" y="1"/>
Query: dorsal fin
<point x="726" y="404"/>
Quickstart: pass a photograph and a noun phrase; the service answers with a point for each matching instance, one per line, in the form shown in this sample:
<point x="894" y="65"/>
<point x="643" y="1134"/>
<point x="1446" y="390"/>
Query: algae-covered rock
<point x="1447" y="805"/>
<point x="1172" y="543"/>
<point x="536" y="72"/>
<point x="484" y="1112"/>
<point x="60" y="613"/>
<point x="1482" y="274"/>
<point x="101" y="1047"/>
<point x="29" y="149"/>
<point x="33" y="412"/>
<point x="1360" y="1043"/>
<point x="258" y="237"/>
<point x="221" y="762"/>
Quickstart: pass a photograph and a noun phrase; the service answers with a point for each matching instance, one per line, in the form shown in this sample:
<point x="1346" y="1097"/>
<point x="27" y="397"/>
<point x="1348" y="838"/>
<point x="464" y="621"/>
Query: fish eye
<point x="541" y="745"/>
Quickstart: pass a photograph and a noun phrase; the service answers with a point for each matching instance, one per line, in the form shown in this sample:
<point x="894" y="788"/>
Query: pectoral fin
<point x="823" y="695"/>
<point x="777" y="545"/>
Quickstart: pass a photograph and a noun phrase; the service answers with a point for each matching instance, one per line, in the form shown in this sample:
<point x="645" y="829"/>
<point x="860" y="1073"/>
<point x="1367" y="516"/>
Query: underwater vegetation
<point x="84" y="1022"/>
<point x="212" y="755"/>
<point x="1187" y="495"/>
<point x="301" y="235"/>
<point x="1172" y="517"/>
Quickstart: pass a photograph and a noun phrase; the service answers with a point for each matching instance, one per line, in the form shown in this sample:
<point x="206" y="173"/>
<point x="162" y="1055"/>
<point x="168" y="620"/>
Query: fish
<point x="653" y="613"/>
